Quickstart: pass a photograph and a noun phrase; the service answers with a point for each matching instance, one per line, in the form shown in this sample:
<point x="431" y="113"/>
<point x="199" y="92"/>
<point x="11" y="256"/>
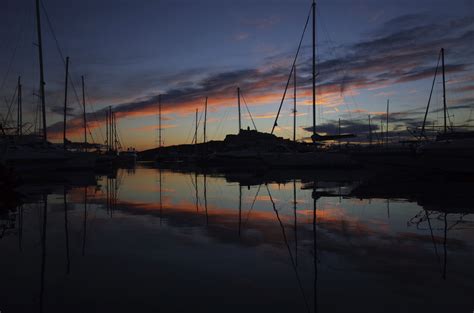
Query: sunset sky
<point x="131" y="51"/>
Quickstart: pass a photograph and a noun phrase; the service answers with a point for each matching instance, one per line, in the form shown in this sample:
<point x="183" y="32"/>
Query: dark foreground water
<point x="153" y="240"/>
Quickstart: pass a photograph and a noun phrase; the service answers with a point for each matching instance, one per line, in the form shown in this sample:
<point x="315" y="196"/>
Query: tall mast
<point x="205" y="119"/>
<point x="65" y="102"/>
<point x="429" y="99"/>
<point x="196" y="131"/>
<point x="238" y="103"/>
<point x="314" y="68"/>
<point x="115" y="132"/>
<point x="110" y="140"/>
<point x="107" y="129"/>
<point x="84" y="114"/>
<point x="294" y="103"/>
<point x="42" y="83"/>
<point x="112" y="125"/>
<point x="444" y="92"/>
<point x="20" y="109"/>
<point x="386" y="126"/>
<point x="159" y="121"/>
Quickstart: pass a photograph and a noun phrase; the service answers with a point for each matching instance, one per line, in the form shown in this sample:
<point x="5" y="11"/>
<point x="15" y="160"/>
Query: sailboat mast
<point x="112" y="145"/>
<point x="65" y="103"/>
<point x="196" y="130"/>
<point x="111" y="130"/>
<point x="429" y="99"/>
<point x="238" y="103"/>
<point x="444" y="92"/>
<point x="42" y="83"/>
<point x="314" y="67"/>
<point x="205" y="119"/>
<point x="115" y="132"/>
<point x="294" y="103"/>
<point x="84" y="114"/>
<point x="159" y="121"/>
<point x="110" y="141"/>
<point x="20" y="109"/>
<point x="107" y="129"/>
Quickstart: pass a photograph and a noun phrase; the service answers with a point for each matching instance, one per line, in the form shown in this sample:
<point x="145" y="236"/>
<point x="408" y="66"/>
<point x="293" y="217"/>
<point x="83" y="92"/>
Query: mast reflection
<point x="66" y="231"/>
<point x="293" y="264"/>
<point x="43" y="250"/>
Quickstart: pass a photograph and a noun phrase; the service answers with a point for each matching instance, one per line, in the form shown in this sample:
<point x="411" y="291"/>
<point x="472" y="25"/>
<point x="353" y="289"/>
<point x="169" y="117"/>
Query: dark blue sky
<point x="130" y="51"/>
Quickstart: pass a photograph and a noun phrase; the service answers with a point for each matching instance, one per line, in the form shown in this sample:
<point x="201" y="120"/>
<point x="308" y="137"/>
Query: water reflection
<point x="296" y="243"/>
<point x="85" y="223"/>
<point x="43" y="250"/>
<point x="423" y="221"/>
<point x="66" y="232"/>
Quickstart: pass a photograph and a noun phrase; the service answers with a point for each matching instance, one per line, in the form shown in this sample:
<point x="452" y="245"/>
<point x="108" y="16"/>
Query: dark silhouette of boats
<point x="25" y="151"/>
<point x="449" y="151"/>
<point x="253" y="148"/>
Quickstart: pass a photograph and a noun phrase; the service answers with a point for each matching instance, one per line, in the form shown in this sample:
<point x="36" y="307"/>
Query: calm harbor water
<point x="150" y="240"/>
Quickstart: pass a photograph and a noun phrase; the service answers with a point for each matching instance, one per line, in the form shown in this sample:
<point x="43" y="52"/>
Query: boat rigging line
<point x="293" y="264"/>
<point x="15" y="50"/>
<point x="246" y="106"/>
<point x="292" y="68"/>
<point x="429" y="99"/>
<point x="253" y="203"/>
<point x="7" y="117"/>
<point x="63" y="60"/>
<point x="340" y="65"/>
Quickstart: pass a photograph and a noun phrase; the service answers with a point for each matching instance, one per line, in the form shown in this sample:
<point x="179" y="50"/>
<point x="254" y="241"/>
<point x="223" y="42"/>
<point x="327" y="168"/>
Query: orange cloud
<point x="153" y="127"/>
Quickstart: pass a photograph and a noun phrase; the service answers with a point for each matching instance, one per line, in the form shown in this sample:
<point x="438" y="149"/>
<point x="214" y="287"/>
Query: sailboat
<point x="451" y="151"/>
<point x="28" y="151"/>
<point x="315" y="157"/>
<point x="125" y="158"/>
<point x="33" y="152"/>
<point x="128" y="158"/>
